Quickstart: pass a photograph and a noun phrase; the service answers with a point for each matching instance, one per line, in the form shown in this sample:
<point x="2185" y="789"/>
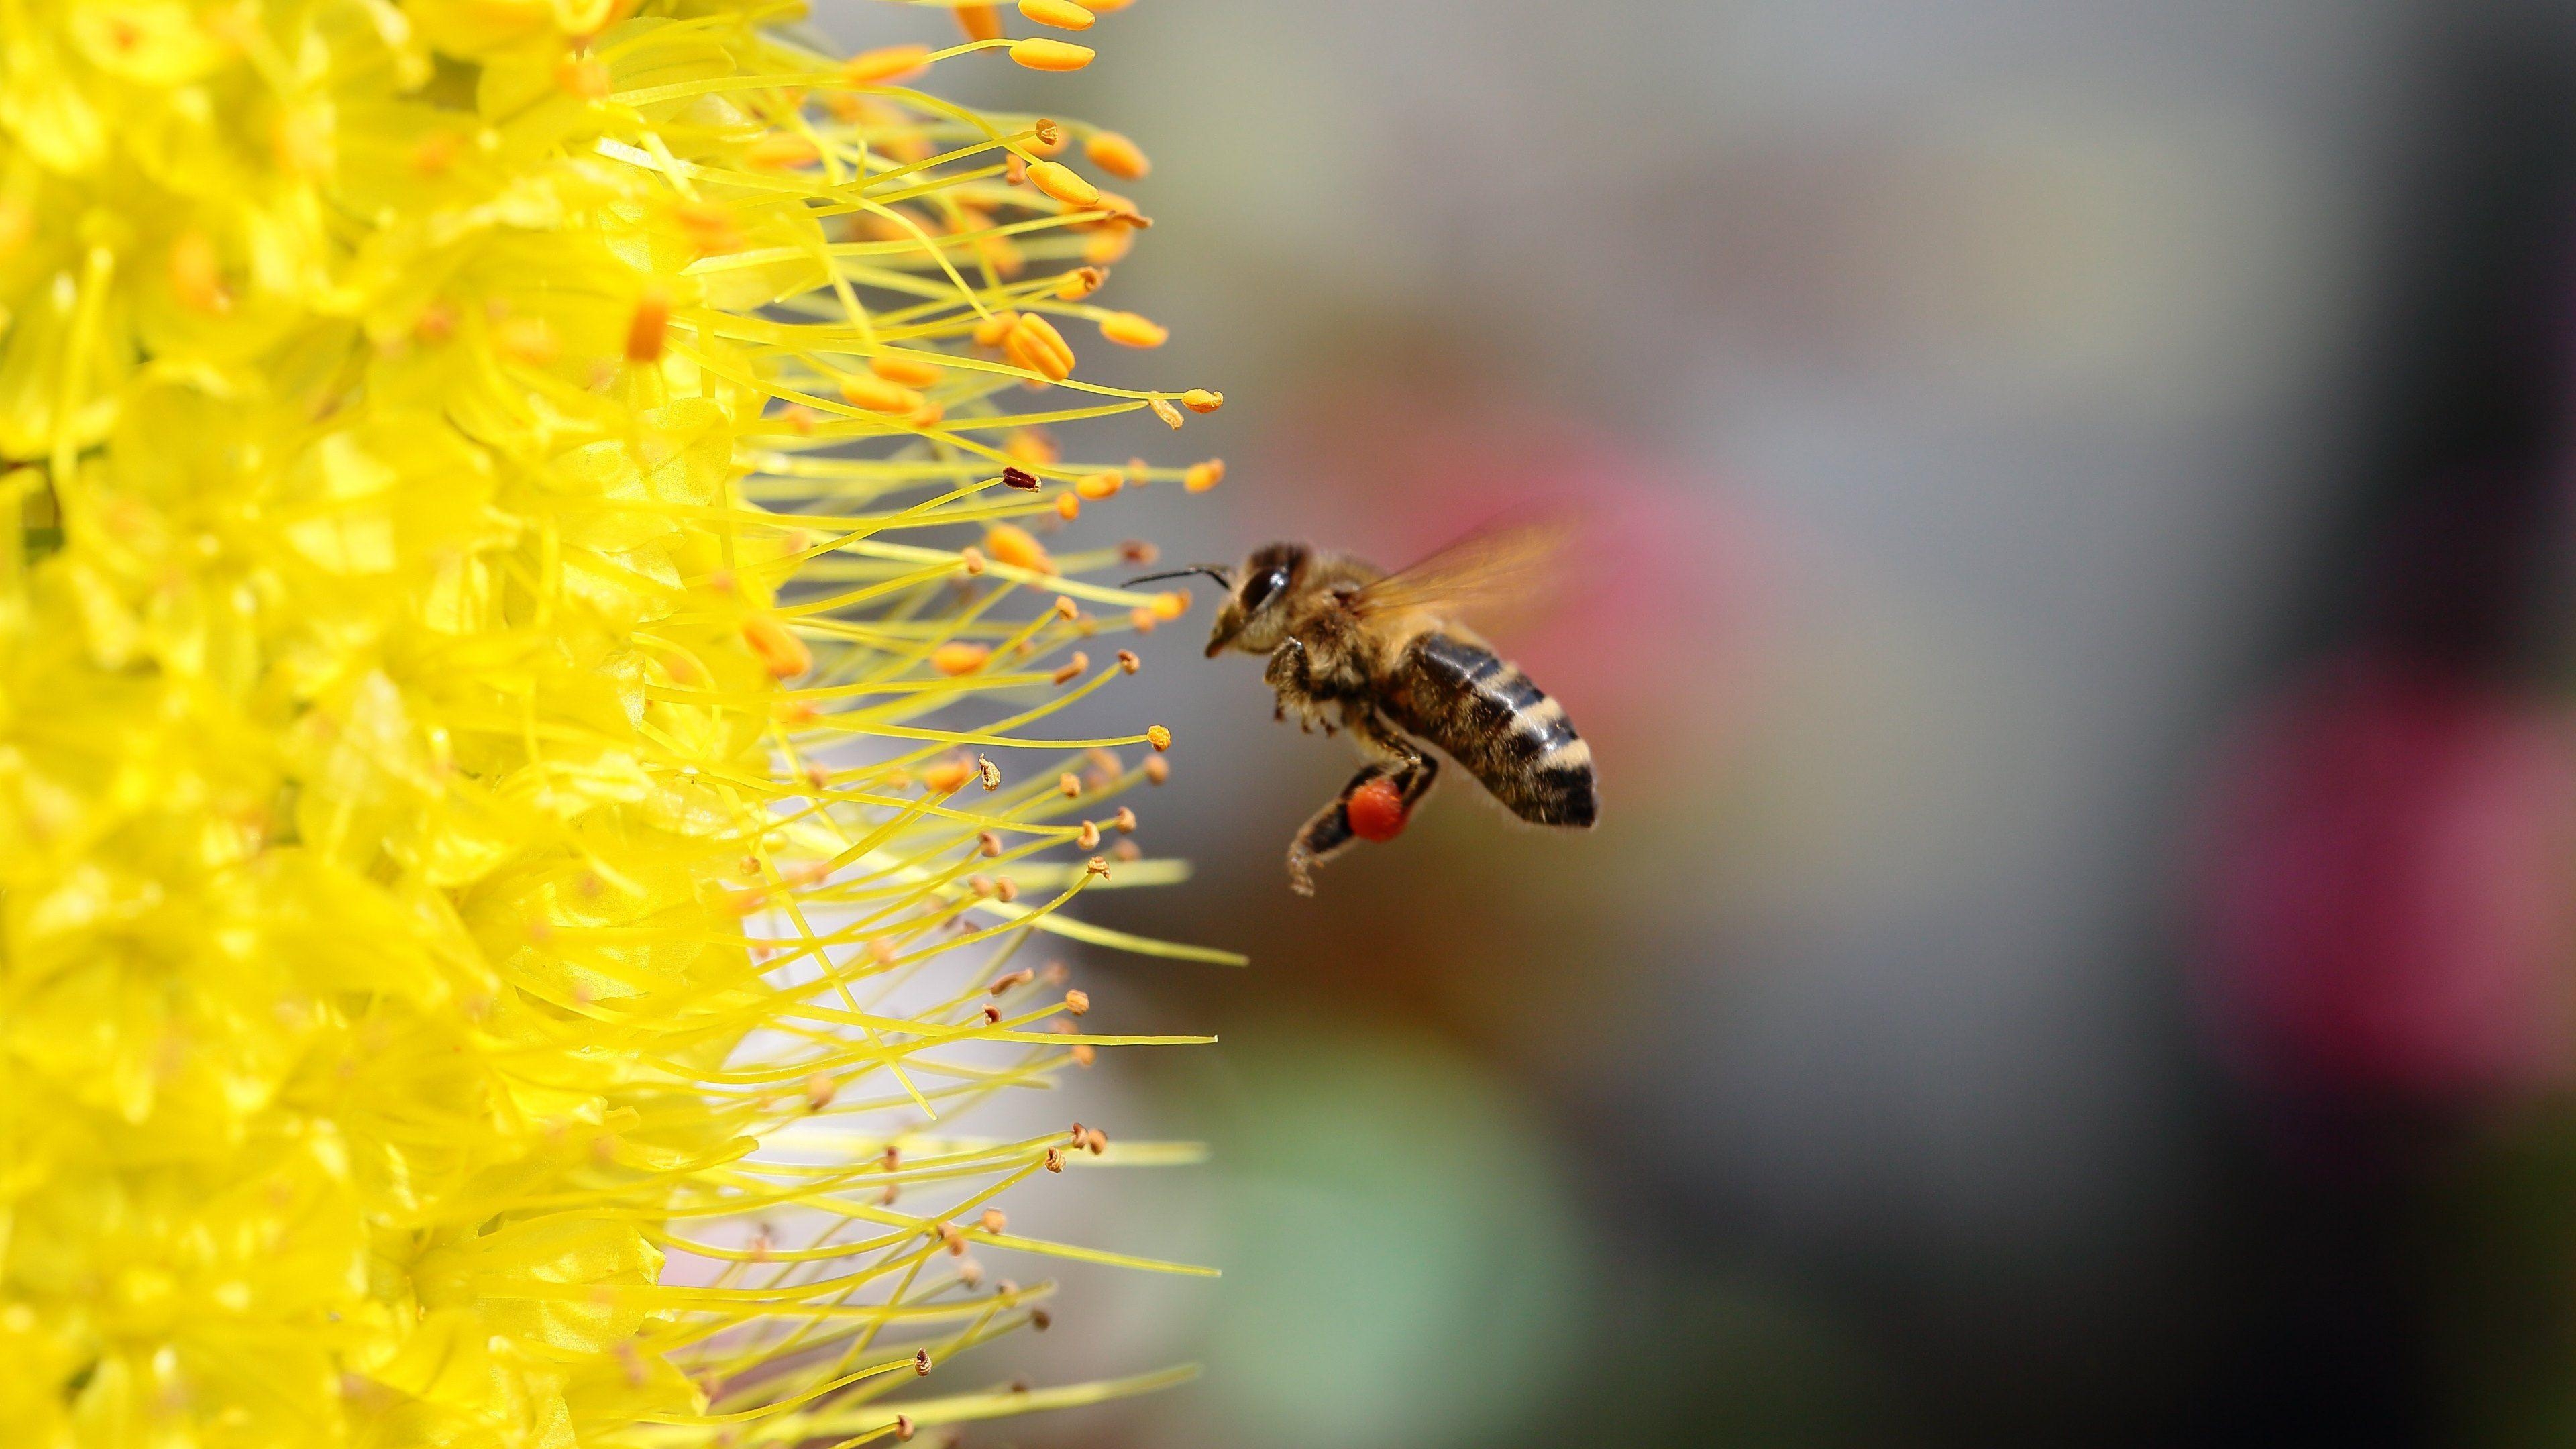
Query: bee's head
<point x="1254" y="618"/>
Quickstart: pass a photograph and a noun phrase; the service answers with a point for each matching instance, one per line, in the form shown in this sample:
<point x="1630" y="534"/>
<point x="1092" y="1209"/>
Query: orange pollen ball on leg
<point x="781" y="652"/>
<point x="1128" y="329"/>
<point x="1040" y="53"/>
<point x="1117" y="155"/>
<point x="1376" y="810"/>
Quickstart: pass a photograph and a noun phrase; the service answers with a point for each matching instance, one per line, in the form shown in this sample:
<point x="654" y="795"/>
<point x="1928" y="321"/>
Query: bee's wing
<point x="1502" y="571"/>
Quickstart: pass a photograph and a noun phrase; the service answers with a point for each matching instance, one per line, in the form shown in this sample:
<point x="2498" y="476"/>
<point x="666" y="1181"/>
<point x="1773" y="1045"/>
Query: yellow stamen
<point x="1200" y="400"/>
<point x="1200" y="477"/>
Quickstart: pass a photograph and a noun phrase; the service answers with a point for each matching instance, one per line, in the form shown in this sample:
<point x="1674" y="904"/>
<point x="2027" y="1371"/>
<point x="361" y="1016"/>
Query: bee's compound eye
<point x="1258" y="588"/>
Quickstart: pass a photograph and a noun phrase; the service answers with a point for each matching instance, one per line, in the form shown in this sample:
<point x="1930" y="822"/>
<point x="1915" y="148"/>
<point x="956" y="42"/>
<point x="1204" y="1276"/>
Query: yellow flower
<point x="519" y="793"/>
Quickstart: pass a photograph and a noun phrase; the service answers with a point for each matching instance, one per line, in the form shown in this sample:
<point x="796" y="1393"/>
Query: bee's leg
<point x="1327" y="834"/>
<point x="1381" y="741"/>
<point x="1291" y="676"/>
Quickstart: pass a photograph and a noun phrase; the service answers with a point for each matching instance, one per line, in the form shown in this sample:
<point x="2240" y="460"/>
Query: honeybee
<point x="1385" y="656"/>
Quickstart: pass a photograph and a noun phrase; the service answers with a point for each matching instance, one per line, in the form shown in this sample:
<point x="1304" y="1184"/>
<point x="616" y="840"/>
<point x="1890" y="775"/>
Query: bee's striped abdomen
<point x="1501" y="728"/>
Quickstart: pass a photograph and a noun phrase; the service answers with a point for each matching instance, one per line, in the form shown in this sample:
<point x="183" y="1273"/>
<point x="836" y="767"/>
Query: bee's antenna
<point x="1218" y="572"/>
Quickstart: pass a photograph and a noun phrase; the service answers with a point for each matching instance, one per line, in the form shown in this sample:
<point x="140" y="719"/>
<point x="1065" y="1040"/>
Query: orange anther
<point x="878" y="395"/>
<point x="1072" y="669"/>
<point x="197" y="274"/>
<point x="1079" y="283"/>
<point x="1034" y="343"/>
<point x="885" y="65"/>
<point x="1200" y="400"/>
<point x="1062" y="14"/>
<point x="947" y="776"/>
<point x="959" y="658"/>
<point x="1128" y="329"/>
<point x="1159" y="737"/>
<point x="708" y="226"/>
<point x="1128" y="663"/>
<point x="1068" y="786"/>
<point x="1063" y="183"/>
<point x="1108" y="246"/>
<point x="1200" y="477"/>
<point x="1016" y="546"/>
<point x="992" y="331"/>
<point x="781" y="653"/>
<point x="1117" y="155"/>
<point x="584" y="78"/>
<point x="1096" y="486"/>
<point x="1171" y="605"/>
<point x="980" y="22"/>
<point x="1068" y="507"/>
<point x="1077" y="1002"/>
<point x="779" y="151"/>
<point x="651" y="324"/>
<point x="906" y="371"/>
<point x="1040" y="53"/>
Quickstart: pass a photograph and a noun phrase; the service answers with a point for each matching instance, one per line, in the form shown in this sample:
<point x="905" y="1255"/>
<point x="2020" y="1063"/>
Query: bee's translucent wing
<point x="1486" y="576"/>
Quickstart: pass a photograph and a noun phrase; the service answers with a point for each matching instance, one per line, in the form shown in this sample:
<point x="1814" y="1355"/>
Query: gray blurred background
<point x="2069" y="629"/>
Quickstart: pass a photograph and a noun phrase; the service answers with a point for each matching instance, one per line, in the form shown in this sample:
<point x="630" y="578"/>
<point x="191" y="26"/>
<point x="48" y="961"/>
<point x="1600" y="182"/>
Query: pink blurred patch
<point x="1652" y="631"/>
<point x="2388" y="886"/>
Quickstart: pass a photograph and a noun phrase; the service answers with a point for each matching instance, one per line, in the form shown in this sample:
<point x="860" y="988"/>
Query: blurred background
<point x="2072" y="622"/>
